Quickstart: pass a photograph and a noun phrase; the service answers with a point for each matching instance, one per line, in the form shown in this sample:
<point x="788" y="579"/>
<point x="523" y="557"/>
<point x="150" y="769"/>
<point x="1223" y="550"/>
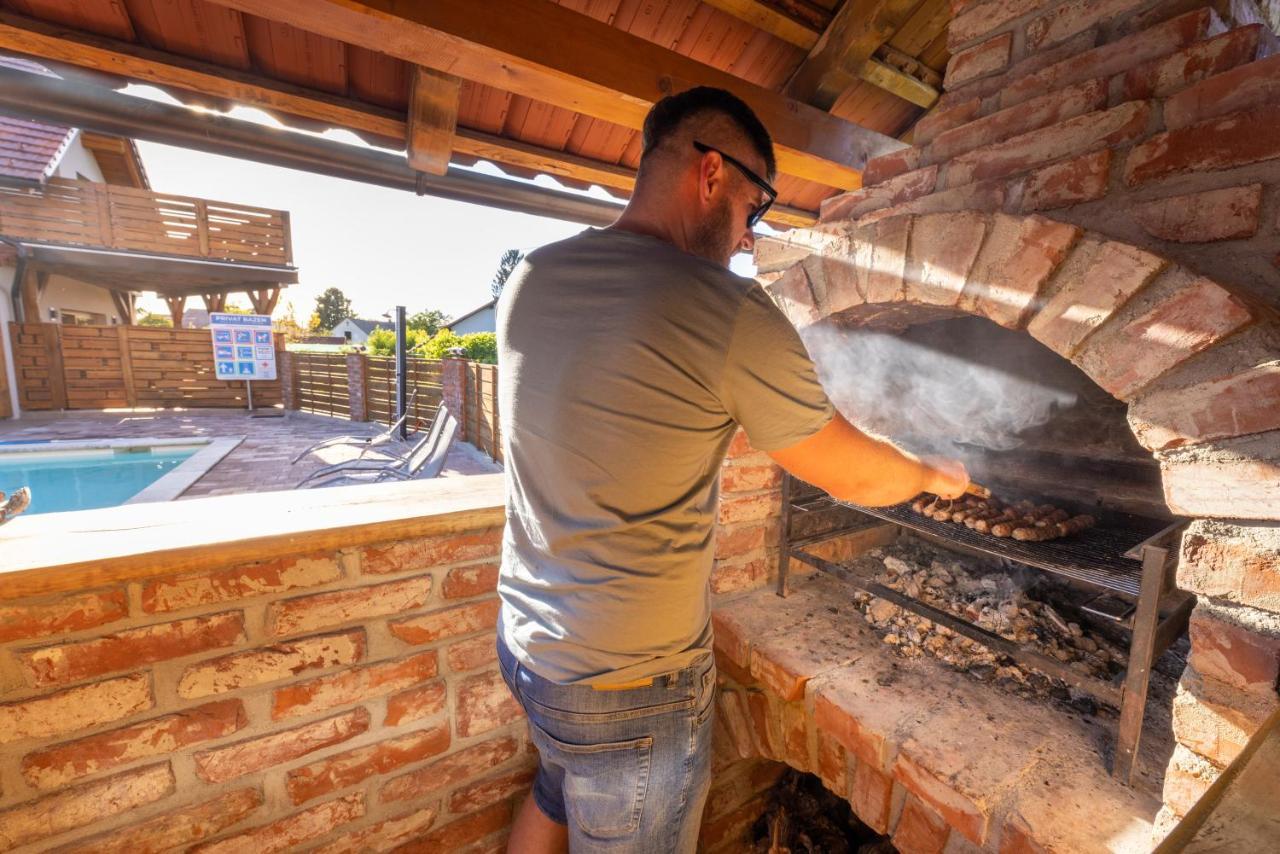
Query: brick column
<point x="454" y="392"/>
<point x="288" y="380"/>
<point x="358" y="386"/>
<point x="747" y="528"/>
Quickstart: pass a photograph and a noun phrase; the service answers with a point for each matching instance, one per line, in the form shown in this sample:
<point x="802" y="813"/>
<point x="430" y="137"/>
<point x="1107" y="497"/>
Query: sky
<point x="381" y="247"/>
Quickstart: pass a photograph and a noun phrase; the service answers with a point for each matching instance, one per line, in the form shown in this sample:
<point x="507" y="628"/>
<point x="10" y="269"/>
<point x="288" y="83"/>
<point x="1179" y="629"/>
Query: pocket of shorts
<point x="604" y="784"/>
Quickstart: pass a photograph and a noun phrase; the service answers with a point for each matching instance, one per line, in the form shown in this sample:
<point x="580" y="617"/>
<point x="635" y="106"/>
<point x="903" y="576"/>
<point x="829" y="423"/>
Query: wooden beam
<point x="886" y="75"/>
<point x="30" y="297"/>
<point x="433" y="119"/>
<point x="898" y="83"/>
<point x="183" y="75"/>
<point x="558" y="56"/>
<point x="176" y="306"/>
<point x="773" y="21"/>
<point x="124" y="303"/>
<point x="264" y="299"/>
<point x="851" y="39"/>
<point x="216" y="301"/>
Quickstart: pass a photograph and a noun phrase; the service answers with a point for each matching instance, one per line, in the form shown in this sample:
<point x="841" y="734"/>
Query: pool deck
<point x="258" y="464"/>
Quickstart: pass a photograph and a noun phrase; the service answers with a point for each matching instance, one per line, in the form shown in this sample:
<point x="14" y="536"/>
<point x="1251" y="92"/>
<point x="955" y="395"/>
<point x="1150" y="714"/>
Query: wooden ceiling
<point x="534" y="86"/>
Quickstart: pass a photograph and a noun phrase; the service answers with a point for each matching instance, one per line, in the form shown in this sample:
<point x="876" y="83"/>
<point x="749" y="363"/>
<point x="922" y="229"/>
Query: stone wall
<point x="1105" y="175"/>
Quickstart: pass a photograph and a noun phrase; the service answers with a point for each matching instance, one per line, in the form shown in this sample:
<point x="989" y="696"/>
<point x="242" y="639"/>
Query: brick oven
<point x="1086" y="227"/>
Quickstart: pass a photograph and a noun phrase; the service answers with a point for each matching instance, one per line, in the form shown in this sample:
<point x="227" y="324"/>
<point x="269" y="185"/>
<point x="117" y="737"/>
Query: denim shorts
<point x="626" y="770"/>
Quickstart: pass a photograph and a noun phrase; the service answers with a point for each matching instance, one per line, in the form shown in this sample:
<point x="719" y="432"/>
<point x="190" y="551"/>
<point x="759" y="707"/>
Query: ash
<point x="995" y="597"/>
<point x="803" y="817"/>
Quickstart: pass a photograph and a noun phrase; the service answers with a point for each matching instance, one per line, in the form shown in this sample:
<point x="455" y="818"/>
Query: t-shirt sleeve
<point x="769" y="385"/>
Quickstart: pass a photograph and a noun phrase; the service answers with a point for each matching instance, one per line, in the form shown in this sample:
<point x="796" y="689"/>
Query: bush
<point x="479" y="346"/>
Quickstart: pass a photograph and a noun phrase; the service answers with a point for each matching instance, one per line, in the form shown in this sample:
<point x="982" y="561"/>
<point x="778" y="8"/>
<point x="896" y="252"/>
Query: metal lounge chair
<point x="424" y="461"/>
<point x="365" y="443"/>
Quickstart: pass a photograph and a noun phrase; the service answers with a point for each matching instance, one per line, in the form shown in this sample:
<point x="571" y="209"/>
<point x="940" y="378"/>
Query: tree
<point x="429" y="321"/>
<point x="287" y="324"/>
<point x="333" y="307"/>
<point x="506" y="265"/>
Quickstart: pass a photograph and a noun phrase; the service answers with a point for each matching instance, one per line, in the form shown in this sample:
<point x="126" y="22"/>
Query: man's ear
<point x="710" y="174"/>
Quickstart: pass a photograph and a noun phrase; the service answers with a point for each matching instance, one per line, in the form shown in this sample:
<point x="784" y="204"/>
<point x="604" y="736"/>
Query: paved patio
<point x="258" y="464"/>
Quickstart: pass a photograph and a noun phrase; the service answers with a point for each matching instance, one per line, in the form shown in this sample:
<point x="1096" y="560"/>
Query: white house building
<point x="482" y="319"/>
<point x="356" y="330"/>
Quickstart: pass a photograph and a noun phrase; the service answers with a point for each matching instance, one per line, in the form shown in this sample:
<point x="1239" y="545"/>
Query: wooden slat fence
<point x="85" y="213"/>
<point x="99" y="367"/>
<point x="480" y="424"/>
<point x="424" y="375"/>
<point x="322" y="384"/>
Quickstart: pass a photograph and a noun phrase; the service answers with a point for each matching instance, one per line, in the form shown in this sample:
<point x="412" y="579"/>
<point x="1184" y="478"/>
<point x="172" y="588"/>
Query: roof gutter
<point x="80" y="105"/>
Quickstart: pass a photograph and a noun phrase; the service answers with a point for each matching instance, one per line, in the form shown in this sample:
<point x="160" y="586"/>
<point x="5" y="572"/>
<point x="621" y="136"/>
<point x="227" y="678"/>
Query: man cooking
<point x="630" y="356"/>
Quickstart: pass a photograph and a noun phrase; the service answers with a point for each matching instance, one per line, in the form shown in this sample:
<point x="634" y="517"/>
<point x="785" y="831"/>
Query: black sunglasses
<point x="757" y="213"/>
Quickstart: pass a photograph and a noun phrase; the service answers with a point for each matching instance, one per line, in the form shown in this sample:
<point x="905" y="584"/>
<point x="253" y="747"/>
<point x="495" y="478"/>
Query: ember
<point x="990" y="596"/>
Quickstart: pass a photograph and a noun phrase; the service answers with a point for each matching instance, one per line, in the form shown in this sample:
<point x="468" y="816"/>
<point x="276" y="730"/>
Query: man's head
<point x="704" y="171"/>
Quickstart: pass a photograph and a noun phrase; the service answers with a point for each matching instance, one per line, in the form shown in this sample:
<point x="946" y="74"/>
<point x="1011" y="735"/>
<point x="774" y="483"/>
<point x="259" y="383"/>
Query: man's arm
<point x="850" y="465"/>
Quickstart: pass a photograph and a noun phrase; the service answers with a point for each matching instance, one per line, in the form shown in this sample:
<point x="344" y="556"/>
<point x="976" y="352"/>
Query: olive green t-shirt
<point x="626" y="366"/>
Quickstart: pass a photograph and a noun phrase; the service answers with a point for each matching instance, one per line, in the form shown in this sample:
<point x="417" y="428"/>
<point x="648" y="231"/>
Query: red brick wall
<point x="341" y="697"/>
<point x="1105" y="174"/>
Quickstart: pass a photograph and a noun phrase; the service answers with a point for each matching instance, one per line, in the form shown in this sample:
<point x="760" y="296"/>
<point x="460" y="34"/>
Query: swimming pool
<point x="86" y="475"/>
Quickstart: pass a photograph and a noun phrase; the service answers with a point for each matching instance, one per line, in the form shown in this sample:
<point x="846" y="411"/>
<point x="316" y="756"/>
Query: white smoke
<point x="940" y="384"/>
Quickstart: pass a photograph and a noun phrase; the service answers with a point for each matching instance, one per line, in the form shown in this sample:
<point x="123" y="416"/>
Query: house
<point x="195" y="318"/>
<point x="83" y="234"/>
<point x="482" y="319"/>
<point x="356" y="330"/>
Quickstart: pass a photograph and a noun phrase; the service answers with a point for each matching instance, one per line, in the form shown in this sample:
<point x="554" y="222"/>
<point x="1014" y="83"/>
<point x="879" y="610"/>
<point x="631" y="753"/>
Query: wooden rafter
<point x="172" y="72"/>
<point x="177" y="305"/>
<point x="772" y="20"/>
<point x="433" y="119"/>
<point x="559" y="56"/>
<point x="885" y="70"/>
<point x="849" y="42"/>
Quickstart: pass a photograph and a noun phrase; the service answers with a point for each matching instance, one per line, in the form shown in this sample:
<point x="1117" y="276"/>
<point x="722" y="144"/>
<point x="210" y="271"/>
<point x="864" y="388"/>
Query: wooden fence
<point x="361" y="387"/>
<point x="101" y="367"/>
<point x="321" y="383"/>
<point x="480" y="421"/>
<point x="424" y="375"/>
<point x="83" y="212"/>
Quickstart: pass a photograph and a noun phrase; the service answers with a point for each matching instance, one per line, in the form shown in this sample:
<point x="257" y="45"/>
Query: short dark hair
<point x="668" y="113"/>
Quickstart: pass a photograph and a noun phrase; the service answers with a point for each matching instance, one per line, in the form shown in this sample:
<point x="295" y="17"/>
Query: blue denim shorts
<point x="626" y="770"/>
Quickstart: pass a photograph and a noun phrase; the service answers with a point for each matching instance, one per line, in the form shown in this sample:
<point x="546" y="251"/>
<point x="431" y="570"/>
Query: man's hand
<point x="947" y="477"/>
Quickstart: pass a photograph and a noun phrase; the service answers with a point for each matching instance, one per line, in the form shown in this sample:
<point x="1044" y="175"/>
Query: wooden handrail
<point x="123" y="218"/>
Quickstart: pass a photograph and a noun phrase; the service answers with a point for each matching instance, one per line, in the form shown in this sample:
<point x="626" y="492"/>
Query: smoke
<point x="938" y="385"/>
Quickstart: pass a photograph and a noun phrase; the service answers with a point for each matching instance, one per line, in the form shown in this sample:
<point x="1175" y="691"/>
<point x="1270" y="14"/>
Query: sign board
<point x="243" y="348"/>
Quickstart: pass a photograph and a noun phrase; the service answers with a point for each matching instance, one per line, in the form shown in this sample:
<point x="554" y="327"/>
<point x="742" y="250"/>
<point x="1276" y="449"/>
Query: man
<point x="630" y="355"/>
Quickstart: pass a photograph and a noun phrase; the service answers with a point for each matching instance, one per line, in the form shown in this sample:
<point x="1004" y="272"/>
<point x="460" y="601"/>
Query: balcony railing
<point x="84" y="213"/>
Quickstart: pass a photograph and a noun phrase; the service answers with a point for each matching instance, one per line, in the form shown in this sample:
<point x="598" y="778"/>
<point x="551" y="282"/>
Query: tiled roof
<point x="29" y="151"/>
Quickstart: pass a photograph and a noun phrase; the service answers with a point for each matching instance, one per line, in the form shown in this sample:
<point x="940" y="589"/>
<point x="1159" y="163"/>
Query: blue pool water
<point x="81" y="480"/>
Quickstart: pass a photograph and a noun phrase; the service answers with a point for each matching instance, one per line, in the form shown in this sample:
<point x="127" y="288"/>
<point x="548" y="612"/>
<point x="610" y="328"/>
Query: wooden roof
<point x="392" y="71"/>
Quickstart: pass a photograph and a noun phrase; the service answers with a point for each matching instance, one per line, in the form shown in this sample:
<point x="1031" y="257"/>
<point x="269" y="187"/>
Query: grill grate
<point x="1096" y="556"/>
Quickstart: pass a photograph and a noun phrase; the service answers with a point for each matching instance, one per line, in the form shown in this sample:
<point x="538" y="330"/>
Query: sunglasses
<point x="757" y="213"/>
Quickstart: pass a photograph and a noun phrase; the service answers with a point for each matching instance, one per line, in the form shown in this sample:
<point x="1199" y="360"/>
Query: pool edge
<point x="183" y="476"/>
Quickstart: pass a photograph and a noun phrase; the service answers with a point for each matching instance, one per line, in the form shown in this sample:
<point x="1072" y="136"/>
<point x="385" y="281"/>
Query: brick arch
<point x="1197" y="363"/>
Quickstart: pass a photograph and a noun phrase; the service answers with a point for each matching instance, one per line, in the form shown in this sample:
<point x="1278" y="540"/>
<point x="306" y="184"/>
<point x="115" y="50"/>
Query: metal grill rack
<point x="1126" y="562"/>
